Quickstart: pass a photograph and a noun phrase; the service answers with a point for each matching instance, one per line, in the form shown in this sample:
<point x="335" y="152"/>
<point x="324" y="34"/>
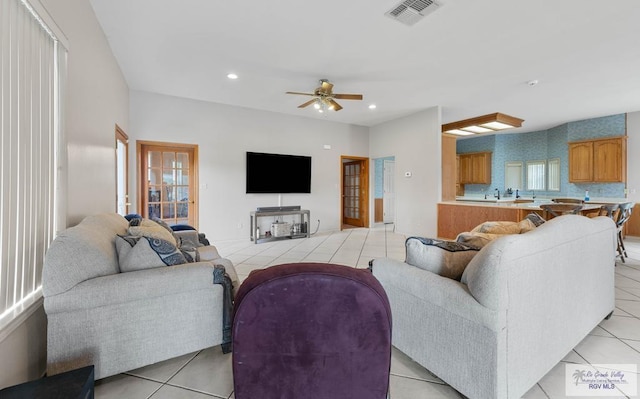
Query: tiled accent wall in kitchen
<point x="544" y="145"/>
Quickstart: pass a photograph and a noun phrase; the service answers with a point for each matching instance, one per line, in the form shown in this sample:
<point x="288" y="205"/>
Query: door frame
<point x="366" y="178"/>
<point x="141" y="170"/>
<point x="122" y="136"/>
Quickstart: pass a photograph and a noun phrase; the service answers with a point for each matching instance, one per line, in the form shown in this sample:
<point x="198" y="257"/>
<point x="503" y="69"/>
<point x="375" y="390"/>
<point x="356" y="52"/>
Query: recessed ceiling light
<point x="372" y="106"/>
<point x="232" y="76"/>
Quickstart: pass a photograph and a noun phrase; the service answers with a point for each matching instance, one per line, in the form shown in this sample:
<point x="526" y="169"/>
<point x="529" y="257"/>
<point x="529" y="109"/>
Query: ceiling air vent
<point x="411" y="11"/>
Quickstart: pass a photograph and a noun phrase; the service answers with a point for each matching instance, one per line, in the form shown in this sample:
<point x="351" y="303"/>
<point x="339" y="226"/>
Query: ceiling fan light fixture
<point x="483" y="124"/>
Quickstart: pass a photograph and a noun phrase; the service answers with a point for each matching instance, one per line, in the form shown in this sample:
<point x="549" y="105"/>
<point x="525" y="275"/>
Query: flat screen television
<point x="278" y="173"/>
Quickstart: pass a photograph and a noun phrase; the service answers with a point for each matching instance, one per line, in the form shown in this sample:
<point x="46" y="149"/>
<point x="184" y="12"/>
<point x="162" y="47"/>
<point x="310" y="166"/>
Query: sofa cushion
<point x="82" y="252"/>
<point x="139" y="253"/>
<point x="446" y="258"/>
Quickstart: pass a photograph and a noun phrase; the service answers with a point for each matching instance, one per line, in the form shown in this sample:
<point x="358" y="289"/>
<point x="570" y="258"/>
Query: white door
<point x="389" y="194"/>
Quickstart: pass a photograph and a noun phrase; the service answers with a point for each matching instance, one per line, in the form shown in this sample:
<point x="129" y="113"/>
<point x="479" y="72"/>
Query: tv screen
<point x="278" y="173"/>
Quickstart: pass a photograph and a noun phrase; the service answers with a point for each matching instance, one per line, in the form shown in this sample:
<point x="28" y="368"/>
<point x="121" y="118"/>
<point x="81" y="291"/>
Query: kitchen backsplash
<point x="544" y="145"/>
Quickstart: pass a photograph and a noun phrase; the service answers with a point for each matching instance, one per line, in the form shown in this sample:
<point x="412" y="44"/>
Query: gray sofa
<point x="523" y="302"/>
<point x="122" y="321"/>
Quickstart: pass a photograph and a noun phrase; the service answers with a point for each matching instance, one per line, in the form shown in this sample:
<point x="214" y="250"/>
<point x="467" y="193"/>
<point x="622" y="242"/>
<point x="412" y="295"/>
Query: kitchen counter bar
<point x="455" y="217"/>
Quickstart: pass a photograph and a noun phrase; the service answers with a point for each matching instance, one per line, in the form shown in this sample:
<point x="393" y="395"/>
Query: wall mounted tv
<point x="278" y="173"/>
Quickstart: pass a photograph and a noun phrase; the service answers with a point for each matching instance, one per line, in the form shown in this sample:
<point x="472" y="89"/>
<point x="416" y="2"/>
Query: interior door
<point x="168" y="186"/>
<point x="355" y="189"/>
<point x="389" y="193"/>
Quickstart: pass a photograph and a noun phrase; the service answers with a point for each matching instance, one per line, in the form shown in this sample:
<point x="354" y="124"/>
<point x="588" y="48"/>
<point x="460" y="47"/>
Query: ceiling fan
<point x="324" y="98"/>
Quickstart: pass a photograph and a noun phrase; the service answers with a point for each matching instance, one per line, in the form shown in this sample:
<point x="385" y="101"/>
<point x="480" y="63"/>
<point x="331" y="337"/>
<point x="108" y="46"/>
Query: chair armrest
<point x="133" y="286"/>
<point x="433" y="290"/>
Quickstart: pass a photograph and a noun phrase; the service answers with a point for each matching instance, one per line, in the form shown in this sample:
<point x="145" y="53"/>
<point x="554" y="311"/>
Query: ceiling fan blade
<point x="307" y="103"/>
<point x="335" y="105"/>
<point x="327" y="87"/>
<point x="301" y="94"/>
<point x="348" y="96"/>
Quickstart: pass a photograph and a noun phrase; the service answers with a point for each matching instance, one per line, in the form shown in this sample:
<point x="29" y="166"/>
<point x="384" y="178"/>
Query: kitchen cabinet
<point x="475" y="168"/>
<point x="601" y="161"/>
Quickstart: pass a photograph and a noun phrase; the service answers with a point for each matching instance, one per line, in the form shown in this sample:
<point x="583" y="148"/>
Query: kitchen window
<point x="536" y="178"/>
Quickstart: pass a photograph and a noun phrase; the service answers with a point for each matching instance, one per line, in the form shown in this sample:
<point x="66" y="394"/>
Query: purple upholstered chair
<point x="312" y="331"/>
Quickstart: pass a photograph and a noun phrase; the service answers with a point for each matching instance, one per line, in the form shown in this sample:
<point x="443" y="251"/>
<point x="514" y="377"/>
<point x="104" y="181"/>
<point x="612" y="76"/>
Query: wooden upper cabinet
<point x="601" y="160"/>
<point x="581" y="162"/>
<point x="475" y="168"/>
<point x="465" y="169"/>
<point x="607" y="157"/>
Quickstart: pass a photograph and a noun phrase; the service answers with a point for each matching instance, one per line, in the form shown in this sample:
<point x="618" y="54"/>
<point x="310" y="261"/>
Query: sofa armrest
<point x="434" y="290"/>
<point x="208" y="253"/>
<point x="133" y="286"/>
<point x="189" y="236"/>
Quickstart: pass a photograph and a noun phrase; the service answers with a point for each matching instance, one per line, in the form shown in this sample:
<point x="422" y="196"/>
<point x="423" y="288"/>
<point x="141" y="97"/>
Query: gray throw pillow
<point x="446" y="258"/>
<point x="139" y="253"/>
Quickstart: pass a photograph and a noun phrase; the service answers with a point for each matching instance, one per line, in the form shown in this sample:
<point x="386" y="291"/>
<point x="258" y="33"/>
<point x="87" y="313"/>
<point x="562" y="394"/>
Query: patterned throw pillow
<point x="149" y="228"/>
<point x="446" y="258"/>
<point x="139" y="253"/>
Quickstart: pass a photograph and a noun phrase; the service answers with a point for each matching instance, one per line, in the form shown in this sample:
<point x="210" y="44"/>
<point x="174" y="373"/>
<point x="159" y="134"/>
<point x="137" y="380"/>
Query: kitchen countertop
<point x="533" y="205"/>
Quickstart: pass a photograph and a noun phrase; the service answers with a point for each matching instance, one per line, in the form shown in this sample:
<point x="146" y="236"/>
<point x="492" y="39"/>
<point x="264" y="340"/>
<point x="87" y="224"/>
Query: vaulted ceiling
<point x="470" y="57"/>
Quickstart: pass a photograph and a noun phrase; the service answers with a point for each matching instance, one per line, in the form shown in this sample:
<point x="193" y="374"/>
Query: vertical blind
<point x="536" y="175"/>
<point x="29" y="111"/>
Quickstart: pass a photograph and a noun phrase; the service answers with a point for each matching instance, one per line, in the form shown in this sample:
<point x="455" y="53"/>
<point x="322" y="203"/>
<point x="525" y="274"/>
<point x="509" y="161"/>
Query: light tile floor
<point x="207" y="373"/>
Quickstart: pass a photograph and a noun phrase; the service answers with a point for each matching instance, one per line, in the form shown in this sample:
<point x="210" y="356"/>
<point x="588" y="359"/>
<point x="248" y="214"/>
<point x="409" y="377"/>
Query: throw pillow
<point x="497" y="228"/>
<point x="151" y="229"/>
<point x="139" y="253"/>
<point x="536" y="219"/>
<point x="446" y="258"/>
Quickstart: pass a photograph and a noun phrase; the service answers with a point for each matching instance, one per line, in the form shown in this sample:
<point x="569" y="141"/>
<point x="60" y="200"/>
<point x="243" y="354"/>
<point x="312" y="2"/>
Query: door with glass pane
<point x="355" y="190"/>
<point x="168" y="183"/>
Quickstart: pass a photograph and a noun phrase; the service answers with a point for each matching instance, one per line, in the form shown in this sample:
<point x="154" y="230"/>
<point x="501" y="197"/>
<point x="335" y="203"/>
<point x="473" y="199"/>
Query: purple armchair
<point x="313" y="331"/>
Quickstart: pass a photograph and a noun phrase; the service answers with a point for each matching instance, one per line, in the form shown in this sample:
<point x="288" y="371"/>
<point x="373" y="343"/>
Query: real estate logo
<point x="601" y="380"/>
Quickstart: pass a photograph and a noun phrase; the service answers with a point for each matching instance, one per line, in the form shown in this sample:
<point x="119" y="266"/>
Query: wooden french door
<point x="355" y="191"/>
<point x="168" y="182"/>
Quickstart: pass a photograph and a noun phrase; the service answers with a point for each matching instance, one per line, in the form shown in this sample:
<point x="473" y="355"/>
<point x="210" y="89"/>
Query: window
<point x="32" y="60"/>
<point x="513" y="175"/>
<point x="536" y="175"/>
<point x="553" y="165"/>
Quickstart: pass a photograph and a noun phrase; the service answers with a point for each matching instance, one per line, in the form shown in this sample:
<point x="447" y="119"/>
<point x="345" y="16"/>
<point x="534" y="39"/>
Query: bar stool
<point x="567" y="201"/>
<point x="561" y="209"/>
<point x="623" y="216"/>
<point x="609" y="210"/>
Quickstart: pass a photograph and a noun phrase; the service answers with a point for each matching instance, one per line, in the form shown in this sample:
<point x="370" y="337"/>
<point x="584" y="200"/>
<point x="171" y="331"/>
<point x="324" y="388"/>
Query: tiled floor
<point x="207" y="374"/>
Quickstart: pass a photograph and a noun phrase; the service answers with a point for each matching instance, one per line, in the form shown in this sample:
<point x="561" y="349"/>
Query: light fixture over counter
<point x="482" y="124"/>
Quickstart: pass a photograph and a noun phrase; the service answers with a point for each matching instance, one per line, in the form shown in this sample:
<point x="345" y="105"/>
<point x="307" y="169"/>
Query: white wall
<point x="416" y="142"/>
<point x="633" y="158"/>
<point x="224" y="134"/>
<point x="97" y="98"/>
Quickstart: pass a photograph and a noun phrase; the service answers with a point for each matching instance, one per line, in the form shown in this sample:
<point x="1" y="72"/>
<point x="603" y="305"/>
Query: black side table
<point x="70" y="385"/>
